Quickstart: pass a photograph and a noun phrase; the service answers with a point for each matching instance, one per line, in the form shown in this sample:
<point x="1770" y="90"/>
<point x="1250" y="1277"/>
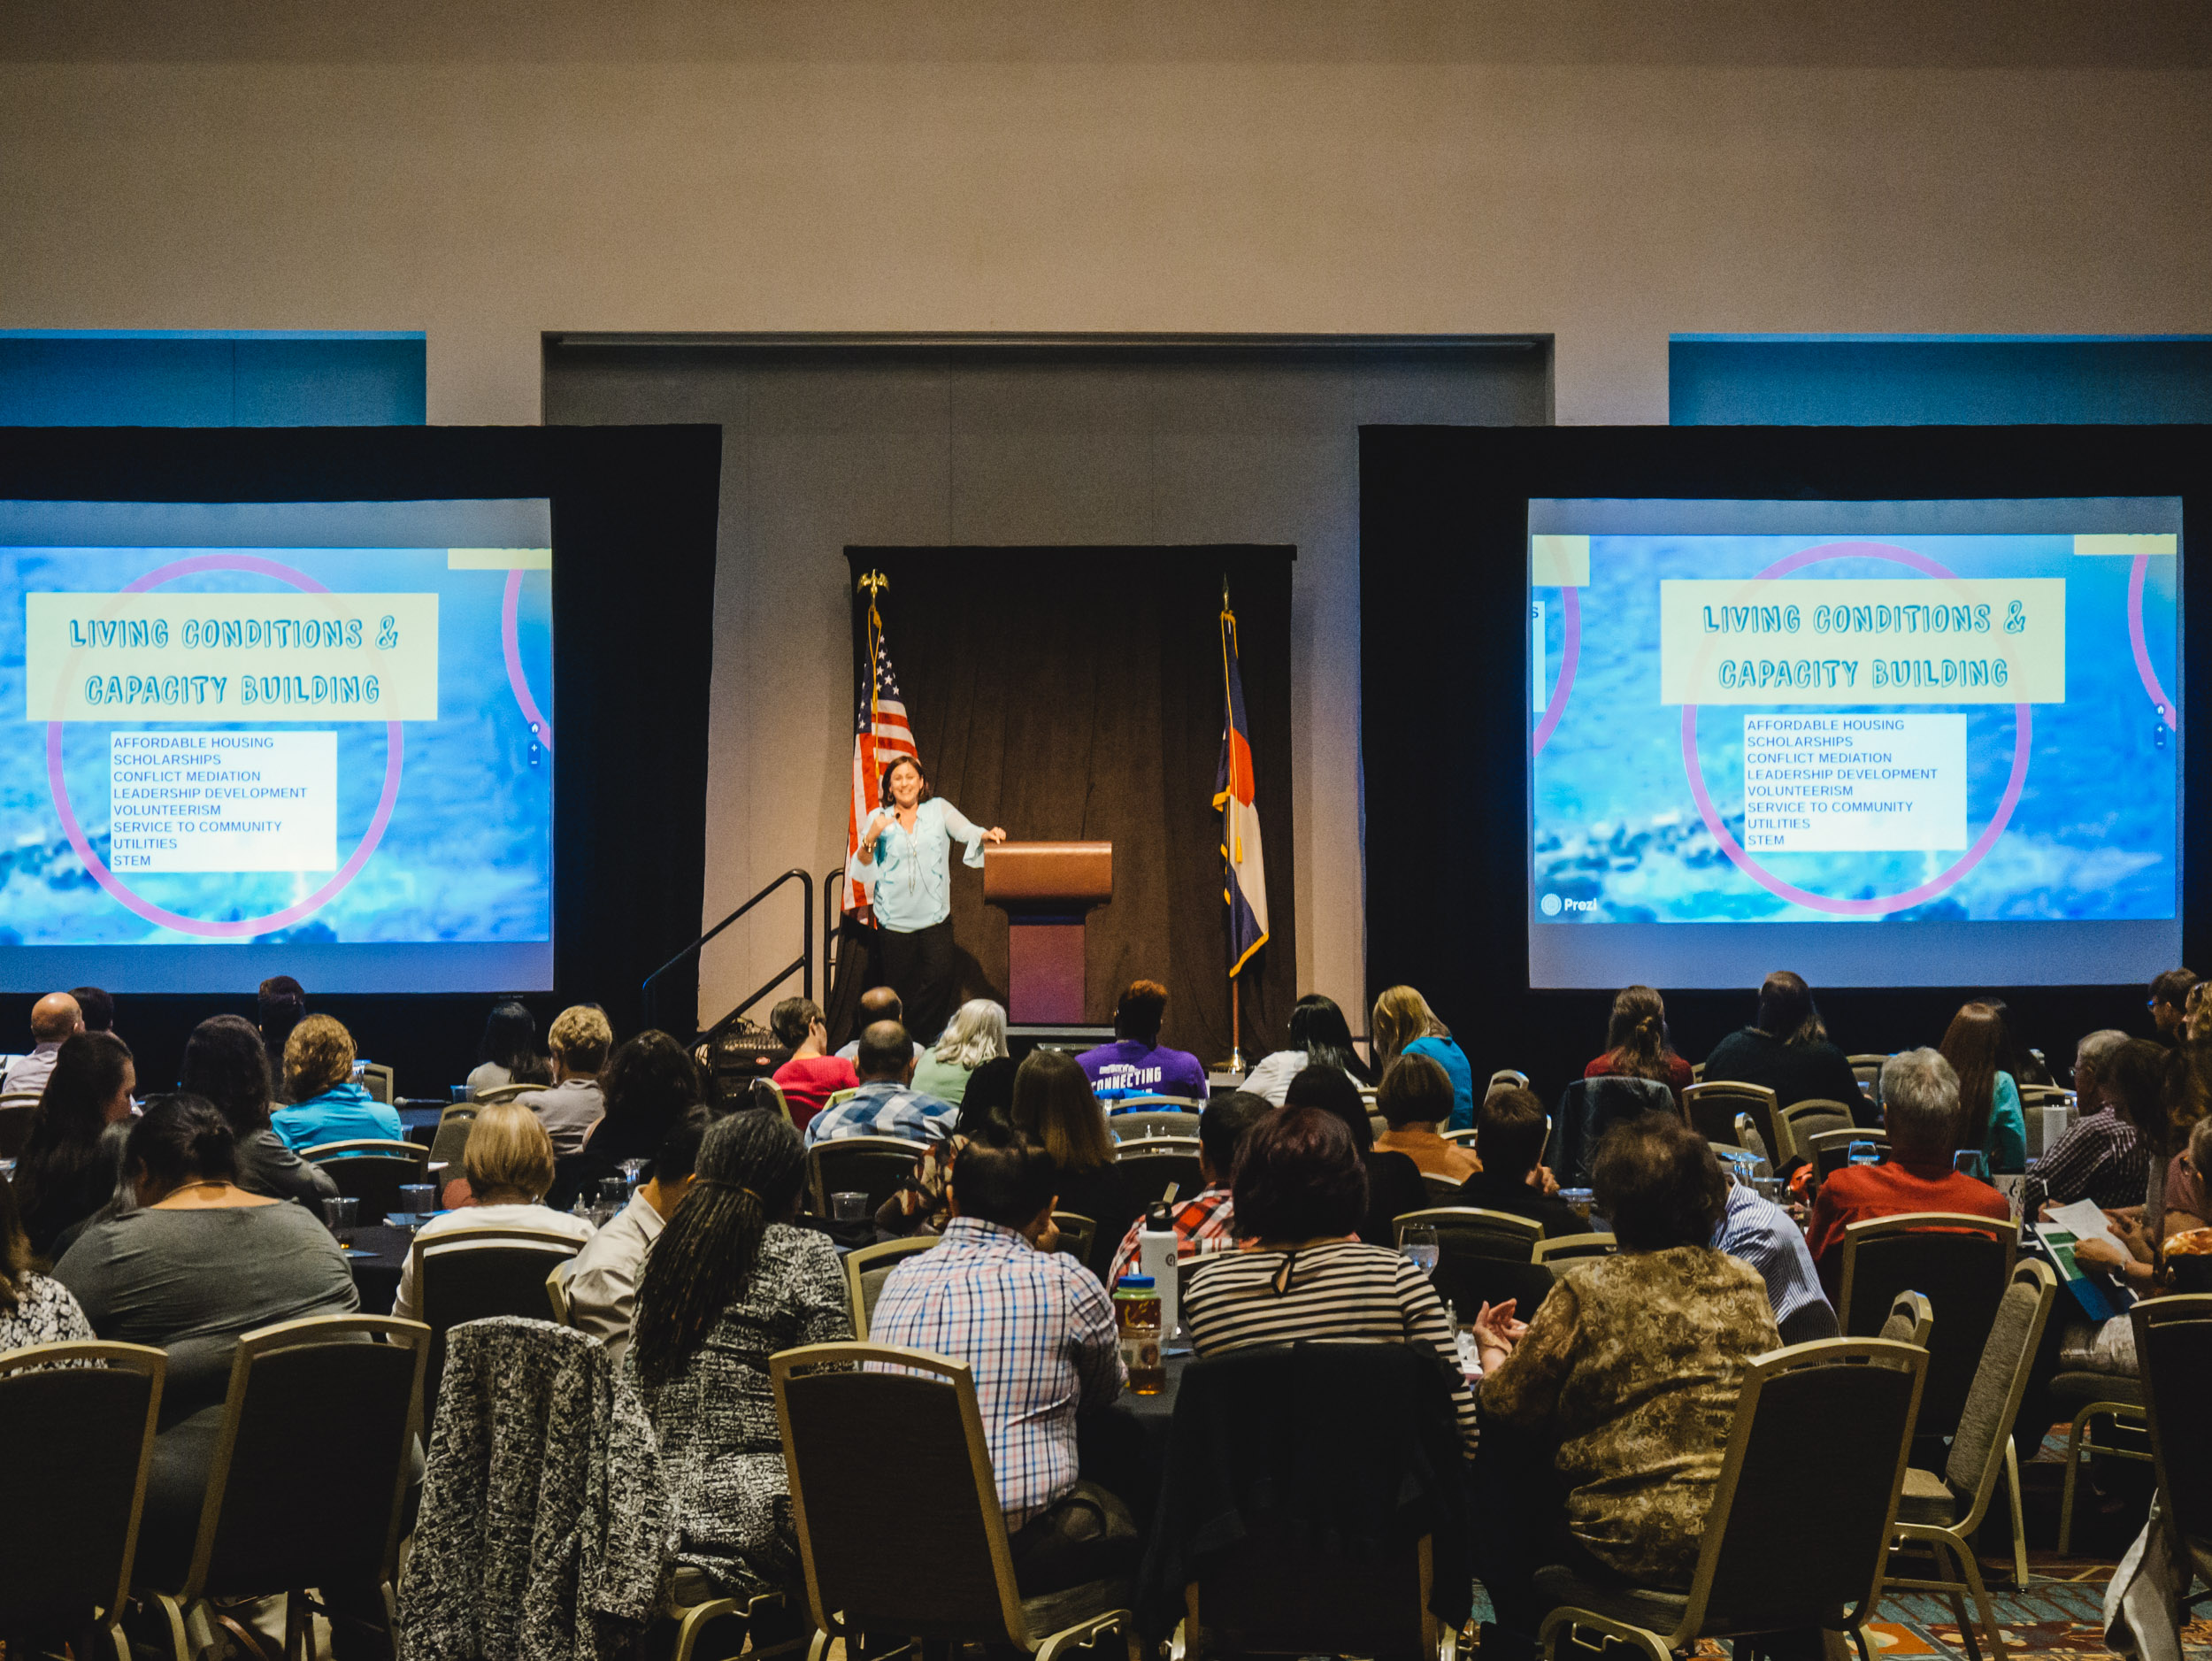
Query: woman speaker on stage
<point x="904" y="859"/>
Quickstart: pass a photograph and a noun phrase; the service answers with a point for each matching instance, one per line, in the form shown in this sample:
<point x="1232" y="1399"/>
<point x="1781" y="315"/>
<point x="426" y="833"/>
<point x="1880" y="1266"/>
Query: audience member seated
<point x="508" y="1053"/>
<point x="580" y="1038"/>
<point x="509" y="1161"/>
<point x="1300" y="1192"/>
<point x="649" y="1083"/>
<point x="1788" y="1052"/>
<point x="729" y="1284"/>
<point x="878" y="1003"/>
<point x="199" y="1262"/>
<point x="1201" y="1223"/>
<point x="327" y="1104"/>
<point x="1319" y="1037"/>
<point x="1637" y="1046"/>
<point x="976" y="1033"/>
<point x="885" y="1104"/>
<point x="1038" y="1331"/>
<point x="1989" y="1098"/>
<point x="1136" y="1063"/>
<point x="1622" y="1388"/>
<point x="811" y="1077"/>
<point x="226" y="1062"/>
<point x="279" y="1006"/>
<point x="1416" y="1096"/>
<point x="602" y="1284"/>
<point x="97" y="1006"/>
<point x="1054" y="1108"/>
<point x="54" y="1018"/>
<point x="1920" y="1100"/>
<point x="2188" y="1204"/>
<point x="34" y="1308"/>
<point x="2102" y="1156"/>
<point x="1394" y="1181"/>
<point x="1757" y="1232"/>
<point x="921" y="1207"/>
<point x="2169" y="1000"/>
<point x="1402" y="1024"/>
<point x="1509" y="1142"/>
<point x="67" y="1169"/>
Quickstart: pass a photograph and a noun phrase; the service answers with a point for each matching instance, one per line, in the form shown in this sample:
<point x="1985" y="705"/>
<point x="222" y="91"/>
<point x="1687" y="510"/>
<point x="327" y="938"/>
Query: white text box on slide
<point x="223" y="801"/>
<point x="1820" y="784"/>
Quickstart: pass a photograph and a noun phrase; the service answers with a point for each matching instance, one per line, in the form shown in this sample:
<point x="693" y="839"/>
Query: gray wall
<point x="830" y="444"/>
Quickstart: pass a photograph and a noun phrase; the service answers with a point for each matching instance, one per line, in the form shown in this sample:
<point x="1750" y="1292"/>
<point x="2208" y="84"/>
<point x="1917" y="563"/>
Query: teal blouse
<point x="909" y="879"/>
<point x="2006" y="1146"/>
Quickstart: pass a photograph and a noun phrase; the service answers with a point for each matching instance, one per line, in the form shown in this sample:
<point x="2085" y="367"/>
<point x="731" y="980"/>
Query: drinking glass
<point x="632" y="1170"/>
<point x="1419" y="1247"/>
<point x="1580" y="1200"/>
<point x="1769" y="1189"/>
<point x="849" y="1207"/>
<point x="342" y="1216"/>
<point x="1866" y="1153"/>
<point x="614" y="1194"/>
<point x="1967" y="1162"/>
<point x="418" y="1199"/>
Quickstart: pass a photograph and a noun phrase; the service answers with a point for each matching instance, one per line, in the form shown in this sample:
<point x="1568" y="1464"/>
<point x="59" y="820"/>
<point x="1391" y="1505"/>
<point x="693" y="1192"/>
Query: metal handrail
<point x="833" y="915"/>
<point x="803" y="963"/>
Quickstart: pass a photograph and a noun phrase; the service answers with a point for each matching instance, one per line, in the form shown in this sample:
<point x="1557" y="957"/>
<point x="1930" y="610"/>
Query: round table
<point x="1124" y="1448"/>
<point x="378" y="1254"/>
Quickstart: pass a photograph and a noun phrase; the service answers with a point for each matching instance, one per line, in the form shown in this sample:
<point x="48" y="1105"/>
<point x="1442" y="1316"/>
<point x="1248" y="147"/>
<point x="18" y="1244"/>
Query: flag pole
<point x="1236" y="1043"/>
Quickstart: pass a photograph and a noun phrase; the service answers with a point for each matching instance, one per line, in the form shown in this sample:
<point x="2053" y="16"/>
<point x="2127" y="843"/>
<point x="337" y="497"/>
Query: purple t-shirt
<point x="1126" y="1067"/>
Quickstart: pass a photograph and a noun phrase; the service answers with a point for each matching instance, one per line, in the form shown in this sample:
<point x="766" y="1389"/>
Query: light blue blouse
<point x="910" y="883"/>
<point x="2006" y="1146"/>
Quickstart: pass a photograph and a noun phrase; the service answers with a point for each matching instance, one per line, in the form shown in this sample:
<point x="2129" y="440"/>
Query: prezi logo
<point x="1551" y="905"/>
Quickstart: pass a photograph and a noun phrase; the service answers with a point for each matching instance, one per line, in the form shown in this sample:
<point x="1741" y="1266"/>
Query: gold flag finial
<point x="874" y="582"/>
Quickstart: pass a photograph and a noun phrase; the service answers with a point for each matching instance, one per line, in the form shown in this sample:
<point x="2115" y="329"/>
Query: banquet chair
<point x="846" y="1421"/>
<point x="1482" y="1256"/>
<point x="1079" y="1235"/>
<point x="502" y="1093"/>
<point x="1714" y="1109"/>
<point x="556" y="1292"/>
<point x="451" y="1139"/>
<point x="2113" y="1400"/>
<point x="1573" y="1248"/>
<point x="277" y="1521"/>
<point x="1867" y="1070"/>
<point x="868" y="1268"/>
<point x="1189" y="1105"/>
<point x="376" y="1079"/>
<point x="878" y="1166"/>
<point x="1961" y="1263"/>
<point x="2173" y="1346"/>
<point x="1911" y="1320"/>
<point x="1767" y="1562"/>
<point x="1466" y="1138"/>
<point x="1830" y="1151"/>
<point x="1147" y="1165"/>
<point x="465" y="1274"/>
<point x="372" y="1170"/>
<point x="1511" y="1077"/>
<point x="1442" y="1190"/>
<point x="17" y="1113"/>
<point x="1940" y="1513"/>
<point x="1802" y="1120"/>
<point x="1146" y="1122"/>
<point x="1590" y="1107"/>
<point x="79" y="1420"/>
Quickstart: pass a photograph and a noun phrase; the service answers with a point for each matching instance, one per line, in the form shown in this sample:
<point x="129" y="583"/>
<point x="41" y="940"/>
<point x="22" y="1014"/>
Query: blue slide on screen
<point x="1882" y="743"/>
<point x="241" y="740"/>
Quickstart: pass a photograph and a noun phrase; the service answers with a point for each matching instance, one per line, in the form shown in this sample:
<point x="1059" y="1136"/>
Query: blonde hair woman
<point x="976" y="1033"/>
<point x="327" y="1104"/>
<point x="1402" y="1024"/>
<point x="509" y="1161"/>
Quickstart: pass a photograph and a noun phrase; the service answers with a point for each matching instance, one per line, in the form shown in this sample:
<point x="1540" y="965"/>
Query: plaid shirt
<point x="1039" y="1332"/>
<point x="1201" y="1225"/>
<point x="884" y="1109"/>
<point x="1760" y="1233"/>
<point x="2100" y="1157"/>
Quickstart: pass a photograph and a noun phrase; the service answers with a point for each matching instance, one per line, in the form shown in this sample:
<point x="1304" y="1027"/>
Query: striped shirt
<point x="1338" y="1291"/>
<point x="1759" y="1233"/>
<point x="1037" y="1329"/>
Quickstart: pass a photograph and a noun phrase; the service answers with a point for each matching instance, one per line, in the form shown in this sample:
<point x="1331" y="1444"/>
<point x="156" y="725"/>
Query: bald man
<point x="54" y="1018"/>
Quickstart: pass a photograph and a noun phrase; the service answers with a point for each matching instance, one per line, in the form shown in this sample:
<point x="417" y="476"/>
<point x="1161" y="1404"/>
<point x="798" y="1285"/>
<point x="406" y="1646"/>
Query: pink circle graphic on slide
<point x="1570" y="654"/>
<point x="2149" y="676"/>
<point x="235" y="927"/>
<point x="1880" y="904"/>
<point x="516" y="678"/>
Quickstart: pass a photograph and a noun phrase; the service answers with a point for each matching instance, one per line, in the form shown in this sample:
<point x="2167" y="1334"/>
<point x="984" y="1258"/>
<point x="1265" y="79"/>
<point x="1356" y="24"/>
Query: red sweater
<point x="807" y="1084"/>
<point x="1680" y="1077"/>
<point x="1857" y="1192"/>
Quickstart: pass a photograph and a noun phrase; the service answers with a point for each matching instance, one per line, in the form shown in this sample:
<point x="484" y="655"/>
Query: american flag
<point x="880" y="736"/>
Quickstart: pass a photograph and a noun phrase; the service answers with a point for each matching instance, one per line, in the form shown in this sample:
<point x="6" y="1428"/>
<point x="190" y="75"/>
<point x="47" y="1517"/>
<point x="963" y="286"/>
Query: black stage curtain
<point x="634" y="522"/>
<point x="1076" y="693"/>
<point x="1444" y="680"/>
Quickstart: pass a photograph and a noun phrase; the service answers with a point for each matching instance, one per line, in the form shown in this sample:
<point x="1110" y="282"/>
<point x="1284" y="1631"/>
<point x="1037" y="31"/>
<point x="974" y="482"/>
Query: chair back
<point x="451" y="1139"/>
<point x="868" y="1268"/>
<point x="1442" y="1190"/>
<point x="878" y="1166"/>
<point x="1569" y="1247"/>
<point x="1959" y="1264"/>
<point x="556" y="1292"/>
<point x="1120" y="1104"/>
<point x="16" y="1119"/>
<point x="1590" y="1107"/>
<point x="373" y="1171"/>
<point x="1471" y="1229"/>
<point x="502" y="1093"/>
<point x="1866" y="1069"/>
<point x="1484" y="1256"/>
<point x="376" y="1079"/>
<point x="1802" y="1120"/>
<point x="1149" y="1122"/>
<point x="1713" y="1109"/>
<point x="79" y="1420"/>
<point x="462" y="1274"/>
<point x="1466" y="1138"/>
<point x="1511" y="1077"/>
<point x="1830" y="1151"/>
<point x="1142" y="1170"/>
<point x="1911" y="1318"/>
<point x="851" y="1412"/>
<point x="2008" y="1356"/>
<point x="2173" y="1348"/>
<point x="1770" y="1561"/>
<point x="269" y="1522"/>
<point x="1079" y="1235"/>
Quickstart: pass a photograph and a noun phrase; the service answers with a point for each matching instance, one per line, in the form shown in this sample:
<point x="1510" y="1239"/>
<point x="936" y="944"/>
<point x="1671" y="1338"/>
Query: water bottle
<point x="1137" y="1316"/>
<point x="1156" y="1257"/>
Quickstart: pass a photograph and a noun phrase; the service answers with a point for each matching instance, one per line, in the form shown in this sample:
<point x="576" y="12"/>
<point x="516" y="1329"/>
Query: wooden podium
<point x="1045" y="888"/>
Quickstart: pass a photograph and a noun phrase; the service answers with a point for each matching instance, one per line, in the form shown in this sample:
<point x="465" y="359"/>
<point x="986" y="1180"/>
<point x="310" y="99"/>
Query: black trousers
<point x="920" y="967"/>
<point x="1087" y="1534"/>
